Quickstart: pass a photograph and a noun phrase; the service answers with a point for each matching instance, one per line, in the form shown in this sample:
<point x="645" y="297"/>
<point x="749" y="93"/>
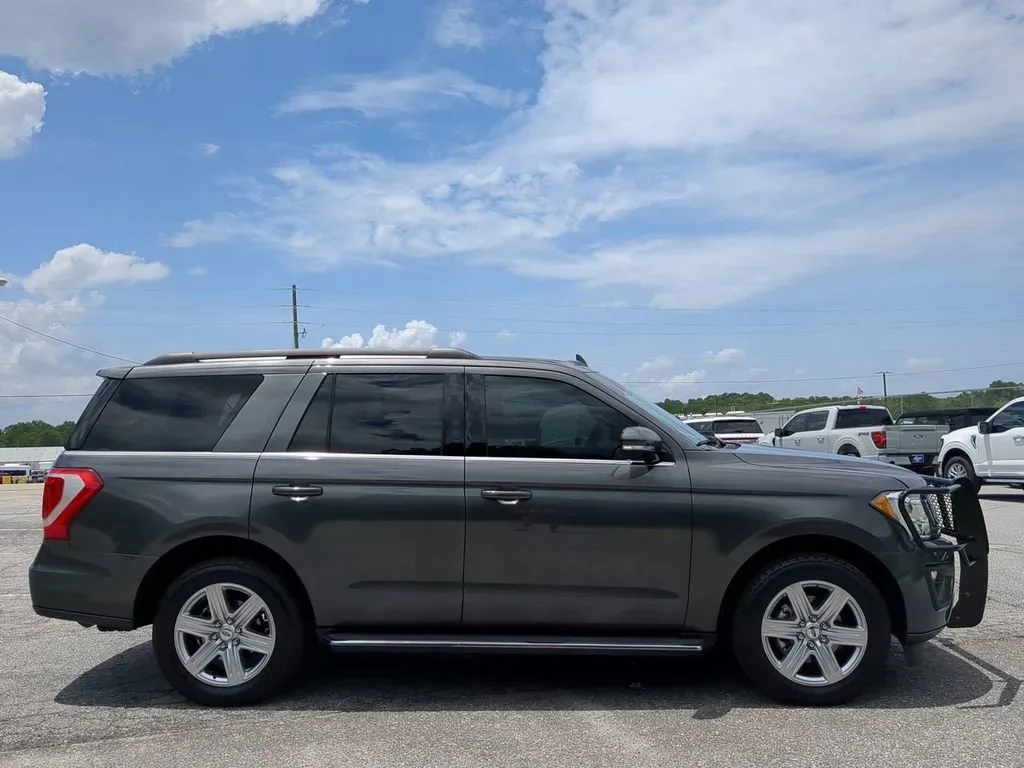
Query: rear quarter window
<point x="173" y="413"/>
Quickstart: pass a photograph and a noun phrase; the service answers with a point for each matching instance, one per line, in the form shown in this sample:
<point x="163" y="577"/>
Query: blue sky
<point x="697" y="197"/>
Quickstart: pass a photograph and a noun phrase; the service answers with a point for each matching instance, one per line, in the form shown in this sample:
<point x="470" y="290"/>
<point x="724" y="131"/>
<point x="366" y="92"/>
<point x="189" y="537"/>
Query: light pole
<point x="885" y="387"/>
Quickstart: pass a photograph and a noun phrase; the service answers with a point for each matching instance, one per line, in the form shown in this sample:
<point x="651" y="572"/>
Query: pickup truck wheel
<point x="228" y="632"/>
<point x="848" y="450"/>
<point x="811" y="630"/>
<point x="960" y="469"/>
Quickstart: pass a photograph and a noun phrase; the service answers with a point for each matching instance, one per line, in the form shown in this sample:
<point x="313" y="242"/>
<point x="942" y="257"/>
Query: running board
<point x="676" y="646"/>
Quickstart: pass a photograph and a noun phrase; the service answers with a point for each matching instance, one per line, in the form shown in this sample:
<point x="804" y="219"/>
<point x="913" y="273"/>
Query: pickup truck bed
<point x="914" y="446"/>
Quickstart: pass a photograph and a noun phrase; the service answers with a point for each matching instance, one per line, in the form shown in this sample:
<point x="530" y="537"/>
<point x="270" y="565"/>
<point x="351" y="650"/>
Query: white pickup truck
<point x="843" y="429"/>
<point x="990" y="452"/>
<point x="866" y="431"/>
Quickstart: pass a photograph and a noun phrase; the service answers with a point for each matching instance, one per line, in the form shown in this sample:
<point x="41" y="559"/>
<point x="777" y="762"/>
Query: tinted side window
<point x="375" y="413"/>
<point x="796" y="424"/>
<point x="851" y="418"/>
<point x="704" y="427"/>
<point x="1011" y="418"/>
<point x="401" y="413"/>
<point x="173" y="413"/>
<point x="816" y="421"/>
<point x="311" y="434"/>
<point x="545" y="419"/>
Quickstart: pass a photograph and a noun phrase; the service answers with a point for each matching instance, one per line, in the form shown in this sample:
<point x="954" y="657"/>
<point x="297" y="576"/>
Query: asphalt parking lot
<point x="75" y="697"/>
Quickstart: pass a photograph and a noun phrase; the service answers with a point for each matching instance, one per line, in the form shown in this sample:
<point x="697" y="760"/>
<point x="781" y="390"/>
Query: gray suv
<point x="253" y="505"/>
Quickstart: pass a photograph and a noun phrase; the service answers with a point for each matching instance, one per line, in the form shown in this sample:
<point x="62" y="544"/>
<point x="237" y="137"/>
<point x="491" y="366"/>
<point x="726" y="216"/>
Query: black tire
<point x="291" y="633"/>
<point x="753" y="658"/>
<point x="968" y="467"/>
<point x="847" y="450"/>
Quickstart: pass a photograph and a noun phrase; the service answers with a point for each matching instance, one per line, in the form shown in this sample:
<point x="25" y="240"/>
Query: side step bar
<point x="675" y="646"/>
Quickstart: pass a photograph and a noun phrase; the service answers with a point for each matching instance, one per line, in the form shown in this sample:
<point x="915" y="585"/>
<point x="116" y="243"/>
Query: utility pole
<point x="295" y="317"/>
<point x="885" y="387"/>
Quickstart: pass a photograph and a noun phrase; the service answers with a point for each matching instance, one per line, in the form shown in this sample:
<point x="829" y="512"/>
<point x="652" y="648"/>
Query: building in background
<point x="38" y="460"/>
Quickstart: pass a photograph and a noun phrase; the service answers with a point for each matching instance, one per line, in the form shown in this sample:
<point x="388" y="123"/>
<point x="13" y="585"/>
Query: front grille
<point x="942" y="506"/>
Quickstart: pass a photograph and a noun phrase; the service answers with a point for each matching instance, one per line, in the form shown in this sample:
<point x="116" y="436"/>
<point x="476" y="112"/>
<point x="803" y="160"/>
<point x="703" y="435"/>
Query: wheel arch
<point x="956" y="451"/>
<point x="176" y="561"/>
<point x="806" y="544"/>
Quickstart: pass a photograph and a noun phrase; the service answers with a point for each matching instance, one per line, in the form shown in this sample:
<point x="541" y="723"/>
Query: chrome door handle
<point x="796" y="441"/>
<point x="297" y="492"/>
<point x="503" y="496"/>
<point x="821" y="439"/>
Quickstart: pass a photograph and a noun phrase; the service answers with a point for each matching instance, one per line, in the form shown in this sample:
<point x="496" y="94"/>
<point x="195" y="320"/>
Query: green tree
<point x="30" y="434"/>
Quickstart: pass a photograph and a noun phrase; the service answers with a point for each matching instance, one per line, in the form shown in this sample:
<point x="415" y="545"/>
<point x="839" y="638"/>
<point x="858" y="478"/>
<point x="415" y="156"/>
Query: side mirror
<point x="984" y="427"/>
<point x="641" y="444"/>
<point x="779" y="432"/>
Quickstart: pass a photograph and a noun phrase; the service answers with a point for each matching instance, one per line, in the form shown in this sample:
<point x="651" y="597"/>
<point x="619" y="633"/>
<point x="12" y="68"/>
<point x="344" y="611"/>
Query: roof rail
<point x="434" y="353"/>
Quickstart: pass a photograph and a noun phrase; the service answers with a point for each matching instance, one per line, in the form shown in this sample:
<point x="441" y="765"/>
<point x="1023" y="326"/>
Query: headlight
<point x="920" y="511"/>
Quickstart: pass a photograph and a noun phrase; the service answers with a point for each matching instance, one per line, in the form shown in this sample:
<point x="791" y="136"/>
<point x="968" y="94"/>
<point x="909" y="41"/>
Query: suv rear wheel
<point x="228" y="632"/>
<point x="811" y="630"/>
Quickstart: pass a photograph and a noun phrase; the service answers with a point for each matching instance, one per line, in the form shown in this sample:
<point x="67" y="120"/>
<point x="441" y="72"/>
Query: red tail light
<point x="65" y="494"/>
<point x="878" y="438"/>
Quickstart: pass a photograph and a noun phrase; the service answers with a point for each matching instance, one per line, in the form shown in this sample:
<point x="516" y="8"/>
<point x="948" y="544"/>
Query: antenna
<point x="581" y="361"/>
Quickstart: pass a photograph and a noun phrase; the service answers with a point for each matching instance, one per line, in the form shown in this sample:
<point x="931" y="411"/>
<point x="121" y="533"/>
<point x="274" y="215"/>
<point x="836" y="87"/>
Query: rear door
<point x="362" y="490"/>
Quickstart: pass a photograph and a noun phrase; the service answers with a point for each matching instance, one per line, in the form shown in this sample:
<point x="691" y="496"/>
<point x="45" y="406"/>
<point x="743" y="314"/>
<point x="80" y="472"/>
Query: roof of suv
<point x="229" y="360"/>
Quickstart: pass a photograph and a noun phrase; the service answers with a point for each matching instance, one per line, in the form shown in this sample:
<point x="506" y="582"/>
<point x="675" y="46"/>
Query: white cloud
<point x="457" y="26"/>
<point x="417" y="334"/>
<point x="918" y="364"/>
<point x="22" y="106"/>
<point x="727" y="356"/>
<point x="505" y="334"/>
<point x="378" y="96"/>
<point x="810" y="137"/>
<point x="208" y="149"/>
<point x="198" y="271"/>
<point x="85" y="266"/>
<point x="31" y="364"/>
<point x="120" y="37"/>
<point x="660" y="378"/>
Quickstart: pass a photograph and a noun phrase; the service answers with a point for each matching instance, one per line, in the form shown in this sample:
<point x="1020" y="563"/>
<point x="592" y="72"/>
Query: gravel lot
<point x="75" y="697"/>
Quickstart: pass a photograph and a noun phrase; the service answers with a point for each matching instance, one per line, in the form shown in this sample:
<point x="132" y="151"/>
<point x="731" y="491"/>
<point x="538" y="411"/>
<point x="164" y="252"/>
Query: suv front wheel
<point x="228" y="632"/>
<point x="812" y="630"/>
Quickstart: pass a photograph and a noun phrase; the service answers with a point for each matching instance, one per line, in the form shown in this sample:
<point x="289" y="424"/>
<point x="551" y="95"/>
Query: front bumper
<point x="931" y="604"/>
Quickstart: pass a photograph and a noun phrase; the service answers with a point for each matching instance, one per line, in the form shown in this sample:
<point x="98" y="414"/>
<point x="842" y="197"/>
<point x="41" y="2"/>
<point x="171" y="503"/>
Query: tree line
<point x="31" y="434"/>
<point x="994" y="396"/>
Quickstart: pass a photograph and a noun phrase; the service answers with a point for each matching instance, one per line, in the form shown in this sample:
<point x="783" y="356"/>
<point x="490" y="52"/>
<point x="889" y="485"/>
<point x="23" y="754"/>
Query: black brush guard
<point x="961" y="518"/>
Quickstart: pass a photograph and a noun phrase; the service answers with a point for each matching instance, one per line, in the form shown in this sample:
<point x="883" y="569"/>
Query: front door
<point x="1004" y="447"/>
<point x="361" y="490"/>
<point x="562" y="533"/>
<point x="792" y="433"/>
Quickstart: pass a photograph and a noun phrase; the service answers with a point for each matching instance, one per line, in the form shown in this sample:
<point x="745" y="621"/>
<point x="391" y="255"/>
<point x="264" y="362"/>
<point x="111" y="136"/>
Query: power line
<point x="65" y="341"/>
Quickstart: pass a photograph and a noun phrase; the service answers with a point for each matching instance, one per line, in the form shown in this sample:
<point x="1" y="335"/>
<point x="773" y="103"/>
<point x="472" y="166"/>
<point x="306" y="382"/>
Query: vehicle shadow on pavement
<point x="711" y="689"/>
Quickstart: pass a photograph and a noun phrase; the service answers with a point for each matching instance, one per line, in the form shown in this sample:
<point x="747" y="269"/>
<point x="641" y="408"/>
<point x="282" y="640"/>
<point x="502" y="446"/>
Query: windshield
<point x="656" y="412"/>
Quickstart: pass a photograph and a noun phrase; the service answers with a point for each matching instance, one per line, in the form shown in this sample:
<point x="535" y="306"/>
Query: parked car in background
<point x="990" y="452"/>
<point x="728" y="428"/>
<point x="953" y="418"/>
<point x="847" y="430"/>
<point x="251" y="505"/>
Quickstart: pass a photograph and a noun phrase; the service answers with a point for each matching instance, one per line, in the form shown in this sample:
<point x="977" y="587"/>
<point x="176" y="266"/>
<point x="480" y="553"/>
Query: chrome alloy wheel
<point x="814" y="633"/>
<point x="224" y="635"/>
<point x="955" y="470"/>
